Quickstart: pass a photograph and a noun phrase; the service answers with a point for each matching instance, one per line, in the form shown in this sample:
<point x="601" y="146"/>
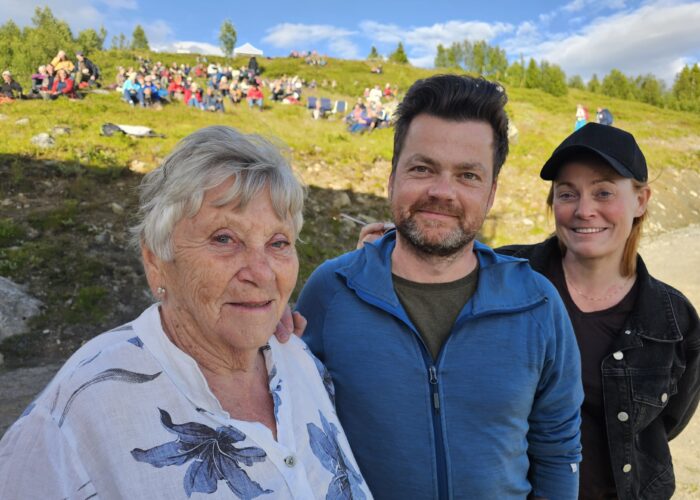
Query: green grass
<point x="670" y="139"/>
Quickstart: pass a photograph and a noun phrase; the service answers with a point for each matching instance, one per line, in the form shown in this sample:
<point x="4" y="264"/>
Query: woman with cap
<point x="639" y="338"/>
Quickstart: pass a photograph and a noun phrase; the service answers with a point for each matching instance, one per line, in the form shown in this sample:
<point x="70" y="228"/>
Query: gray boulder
<point x="16" y="308"/>
<point x="43" y="140"/>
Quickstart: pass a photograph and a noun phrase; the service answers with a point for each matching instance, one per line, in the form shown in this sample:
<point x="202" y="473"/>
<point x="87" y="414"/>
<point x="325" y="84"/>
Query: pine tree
<point x="227" y="37"/>
<point x="90" y="41"/>
<point x="515" y="75"/>
<point x="650" y="90"/>
<point x="138" y="39"/>
<point x="576" y="82"/>
<point x="686" y="89"/>
<point x="593" y="84"/>
<point x="553" y="79"/>
<point x="616" y="84"/>
<point x="533" y="76"/>
<point x="373" y="54"/>
<point x="399" y="55"/>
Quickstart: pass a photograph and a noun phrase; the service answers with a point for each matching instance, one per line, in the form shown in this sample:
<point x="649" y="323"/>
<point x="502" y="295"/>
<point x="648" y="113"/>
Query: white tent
<point x="247" y="50"/>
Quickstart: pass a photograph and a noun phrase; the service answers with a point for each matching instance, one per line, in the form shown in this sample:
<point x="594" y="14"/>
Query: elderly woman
<point x="195" y="395"/>
<point x="639" y="338"/>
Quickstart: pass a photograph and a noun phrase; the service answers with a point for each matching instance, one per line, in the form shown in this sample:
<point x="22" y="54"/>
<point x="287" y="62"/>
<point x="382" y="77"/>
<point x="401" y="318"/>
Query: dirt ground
<point x="673" y="257"/>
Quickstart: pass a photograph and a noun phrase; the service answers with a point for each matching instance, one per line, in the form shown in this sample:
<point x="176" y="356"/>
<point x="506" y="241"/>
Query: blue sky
<point x="582" y="36"/>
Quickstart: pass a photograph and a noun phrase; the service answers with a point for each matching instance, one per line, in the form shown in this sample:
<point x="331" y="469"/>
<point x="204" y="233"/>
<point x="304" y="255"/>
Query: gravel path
<point x="673" y="257"/>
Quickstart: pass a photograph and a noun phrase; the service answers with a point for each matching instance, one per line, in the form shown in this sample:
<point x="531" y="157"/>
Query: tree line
<point x="491" y="61"/>
<point x="21" y="50"/>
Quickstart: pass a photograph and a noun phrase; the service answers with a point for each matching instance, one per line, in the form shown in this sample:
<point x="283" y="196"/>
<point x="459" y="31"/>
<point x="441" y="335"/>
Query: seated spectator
<point x="10" y="89"/>
<point x="387" y="91"/>
<point x="223" y="85"/>
<point x="49" y="78"/>
<point x="87" y="72"/>
<point x="175" y="89"/>
<point x="359" y="119"/>
<point x="195" y="96"/>
<point x="63" y="85"/>
<point x="119" y="80"/>
<point x="377" y="69"/>
<point x="255" y="96"/>
<point x="375" y="95"/>
<point x="62" y="62"/>
<point x="234" y="92"/>
<point x="213" y="100"/>
<point x="132" y="90"/>
<point x="37" y="82"/>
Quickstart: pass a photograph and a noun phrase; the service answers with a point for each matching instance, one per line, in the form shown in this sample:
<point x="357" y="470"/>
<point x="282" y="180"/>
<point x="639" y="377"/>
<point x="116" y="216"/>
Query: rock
<point x="22" y="121"/>
<point x="60" y="130"/>
<point x="32" y="233"/>
<point x="117" y="208"/>
<point x="341" y="199"/>
<point x="512" y="132"/>
<point x="16" y="308"/>
<point x="43" y="140"/>
<point x="138" y="166"/>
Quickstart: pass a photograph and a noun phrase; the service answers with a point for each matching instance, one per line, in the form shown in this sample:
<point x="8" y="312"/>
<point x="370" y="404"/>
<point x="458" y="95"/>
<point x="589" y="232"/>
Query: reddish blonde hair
<point x="628" y="264"/>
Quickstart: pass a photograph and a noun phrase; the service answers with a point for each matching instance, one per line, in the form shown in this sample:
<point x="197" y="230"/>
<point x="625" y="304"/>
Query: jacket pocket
<point x="652" y="389"/>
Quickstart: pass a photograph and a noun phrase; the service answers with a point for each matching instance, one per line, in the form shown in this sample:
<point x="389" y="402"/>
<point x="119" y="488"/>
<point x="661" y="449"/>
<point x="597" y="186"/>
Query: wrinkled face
<point x="443" y="185"/>
<point x="594" y="208"/>
<point x="233" y="271"/>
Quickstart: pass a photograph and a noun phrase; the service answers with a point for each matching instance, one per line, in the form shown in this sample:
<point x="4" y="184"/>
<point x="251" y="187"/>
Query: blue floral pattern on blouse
<point x="346" y="481"/>
<point x="213" y="454"/>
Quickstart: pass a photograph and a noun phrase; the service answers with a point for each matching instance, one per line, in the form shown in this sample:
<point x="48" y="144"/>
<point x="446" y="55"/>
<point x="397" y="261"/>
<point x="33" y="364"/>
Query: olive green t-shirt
<point x="434" y="307"/>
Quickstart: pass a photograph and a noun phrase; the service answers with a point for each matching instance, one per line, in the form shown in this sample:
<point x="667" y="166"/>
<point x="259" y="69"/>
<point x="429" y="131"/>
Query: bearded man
<point x="456" y="369"/>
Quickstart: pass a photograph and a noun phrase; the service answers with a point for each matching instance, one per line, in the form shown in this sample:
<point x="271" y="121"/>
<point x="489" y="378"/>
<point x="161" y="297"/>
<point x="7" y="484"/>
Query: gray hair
<point x="201" y="161"/>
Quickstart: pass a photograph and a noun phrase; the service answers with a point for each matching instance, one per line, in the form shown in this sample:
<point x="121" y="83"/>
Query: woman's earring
<point x="160" y="290"/>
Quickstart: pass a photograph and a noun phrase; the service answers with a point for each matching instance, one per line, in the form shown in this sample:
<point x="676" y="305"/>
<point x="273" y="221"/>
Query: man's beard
<point x="450" y="244"/>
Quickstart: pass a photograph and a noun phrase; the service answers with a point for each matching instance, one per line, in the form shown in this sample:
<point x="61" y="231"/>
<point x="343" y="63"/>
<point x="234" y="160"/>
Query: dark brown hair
<point x="456" y="98"/>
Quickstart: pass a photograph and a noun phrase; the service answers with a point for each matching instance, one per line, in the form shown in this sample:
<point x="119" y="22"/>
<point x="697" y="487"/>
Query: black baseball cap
<point x="615" y="146"/>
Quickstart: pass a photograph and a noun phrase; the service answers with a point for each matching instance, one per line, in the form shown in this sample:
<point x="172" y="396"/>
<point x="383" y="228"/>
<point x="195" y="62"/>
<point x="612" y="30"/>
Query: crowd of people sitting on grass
<point x="153" y="85"/>
<point x="373" y="110"/>
<point x="311" y="57"/>
<point x="62" y="77"/>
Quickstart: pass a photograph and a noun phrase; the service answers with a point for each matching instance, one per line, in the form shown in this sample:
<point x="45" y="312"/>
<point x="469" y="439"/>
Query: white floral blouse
<point x="131" y="416"/>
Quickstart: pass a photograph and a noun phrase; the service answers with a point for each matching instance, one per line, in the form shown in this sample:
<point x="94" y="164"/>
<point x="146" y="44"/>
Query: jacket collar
<point x="653" y="316"/>
<point x="368" y="272"/>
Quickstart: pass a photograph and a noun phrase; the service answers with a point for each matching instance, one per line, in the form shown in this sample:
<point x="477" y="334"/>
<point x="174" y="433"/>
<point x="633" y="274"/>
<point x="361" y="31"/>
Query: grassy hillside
<point x="64" y="211"/>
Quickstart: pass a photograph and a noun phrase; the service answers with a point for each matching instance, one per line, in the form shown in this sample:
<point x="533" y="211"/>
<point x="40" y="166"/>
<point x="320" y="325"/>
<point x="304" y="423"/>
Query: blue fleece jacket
<point x="495" y="416"/>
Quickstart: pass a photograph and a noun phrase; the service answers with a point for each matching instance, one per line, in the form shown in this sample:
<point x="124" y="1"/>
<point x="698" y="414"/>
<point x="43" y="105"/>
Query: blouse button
<point x="290" y="461"/>
<point x="664" y="397"/>
<point x="627" y="332"/>
<point x="626" y="468"/>
<point x="623" y="417"/>
<point x="618" y="355"/>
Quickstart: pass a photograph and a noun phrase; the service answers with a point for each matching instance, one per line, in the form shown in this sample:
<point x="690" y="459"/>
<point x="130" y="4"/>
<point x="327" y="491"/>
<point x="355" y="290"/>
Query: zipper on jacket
<point x="437" y="429"/>
<point x="440" y="458"/>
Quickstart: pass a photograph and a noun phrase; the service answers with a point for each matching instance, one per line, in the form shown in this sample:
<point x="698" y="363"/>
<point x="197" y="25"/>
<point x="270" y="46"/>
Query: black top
<point x="596" y="333"/>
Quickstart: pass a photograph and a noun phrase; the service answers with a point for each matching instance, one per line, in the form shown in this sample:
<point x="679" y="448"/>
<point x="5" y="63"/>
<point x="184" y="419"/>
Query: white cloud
<point x="651" y="39"/>
<point x="292" y="36"/>
<point x="190" y="47"/>
<point x="421" y="42"/>
<point x="78" y="13"/>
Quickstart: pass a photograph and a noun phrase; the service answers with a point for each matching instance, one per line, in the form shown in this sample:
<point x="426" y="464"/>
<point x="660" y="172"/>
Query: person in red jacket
<point x="255" y="96"/>
<point x="62" y="85"/>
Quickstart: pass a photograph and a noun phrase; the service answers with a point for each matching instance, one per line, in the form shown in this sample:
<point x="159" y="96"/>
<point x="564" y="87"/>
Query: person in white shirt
<point x="195" y="395"/>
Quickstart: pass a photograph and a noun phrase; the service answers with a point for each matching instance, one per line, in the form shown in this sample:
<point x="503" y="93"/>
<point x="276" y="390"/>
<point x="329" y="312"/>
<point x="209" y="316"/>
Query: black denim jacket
<point x="651" y="380"/>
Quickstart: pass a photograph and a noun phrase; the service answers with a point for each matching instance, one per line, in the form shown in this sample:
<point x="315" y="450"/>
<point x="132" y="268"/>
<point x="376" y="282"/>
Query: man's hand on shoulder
<point x="290" y="323"/>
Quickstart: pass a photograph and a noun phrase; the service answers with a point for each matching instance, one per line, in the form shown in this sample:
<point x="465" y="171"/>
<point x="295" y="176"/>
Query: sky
<point x="582" y="36"/>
